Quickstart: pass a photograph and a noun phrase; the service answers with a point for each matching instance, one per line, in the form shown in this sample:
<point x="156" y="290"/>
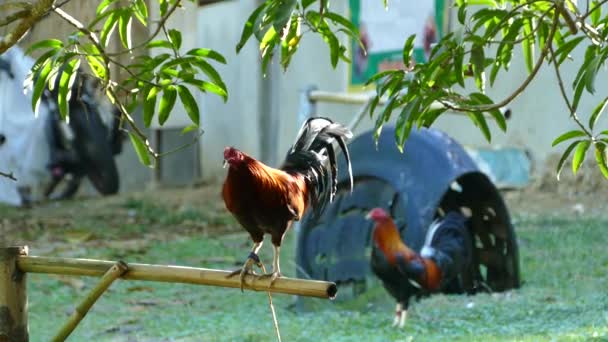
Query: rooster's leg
<point x="247" y="268"/>
<point x="400" y="316"/>
<point x="276" y="269"/>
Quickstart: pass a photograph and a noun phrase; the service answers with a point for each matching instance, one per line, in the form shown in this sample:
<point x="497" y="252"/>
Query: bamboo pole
<point x="178" y="274"/>
<point x="81" y="310"/>
<point x="13" y="296"/>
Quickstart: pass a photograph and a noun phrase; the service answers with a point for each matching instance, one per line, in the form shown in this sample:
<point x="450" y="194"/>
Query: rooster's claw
<point x="273" y="277"/>
<point x="246" y="269"/>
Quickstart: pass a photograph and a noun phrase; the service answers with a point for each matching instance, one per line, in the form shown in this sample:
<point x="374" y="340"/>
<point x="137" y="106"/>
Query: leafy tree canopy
<point x="477" y="52"/>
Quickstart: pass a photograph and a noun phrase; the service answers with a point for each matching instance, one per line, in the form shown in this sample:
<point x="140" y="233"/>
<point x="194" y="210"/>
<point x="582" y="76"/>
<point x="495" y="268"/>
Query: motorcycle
<point x="82" y="145"/>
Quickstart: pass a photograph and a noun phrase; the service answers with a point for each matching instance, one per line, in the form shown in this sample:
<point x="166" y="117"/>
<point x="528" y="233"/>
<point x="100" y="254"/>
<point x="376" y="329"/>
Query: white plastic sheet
<point x="25" y="152"/>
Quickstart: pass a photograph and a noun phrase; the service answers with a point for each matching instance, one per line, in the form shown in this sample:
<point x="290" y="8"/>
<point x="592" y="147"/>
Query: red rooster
<point x="405" y="273"/>
<point x="266" y="200"/>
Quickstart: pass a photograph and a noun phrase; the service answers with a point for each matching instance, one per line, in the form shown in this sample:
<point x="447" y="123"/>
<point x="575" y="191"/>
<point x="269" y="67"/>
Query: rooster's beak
<point x="368" y="216"/>
<point x="224" y="164"/>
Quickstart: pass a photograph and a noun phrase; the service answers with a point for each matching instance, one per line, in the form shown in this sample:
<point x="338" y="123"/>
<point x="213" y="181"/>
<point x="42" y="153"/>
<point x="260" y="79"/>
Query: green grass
<point x="564" y="296"/>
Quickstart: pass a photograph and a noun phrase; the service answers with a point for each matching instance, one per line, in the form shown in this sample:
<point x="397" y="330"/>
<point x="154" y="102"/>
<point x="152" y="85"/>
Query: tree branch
<point x="598" y="6"/>
<point x="159" y="27"/>
<point x="526" y="82"/>
<point x="8" y="175"/>
<point x="14" y="17"/>
<point x="15" y="4"/>
<point x="38" y="10"/>
<point x="109" y="83"/>
<point x="562" y="89"/>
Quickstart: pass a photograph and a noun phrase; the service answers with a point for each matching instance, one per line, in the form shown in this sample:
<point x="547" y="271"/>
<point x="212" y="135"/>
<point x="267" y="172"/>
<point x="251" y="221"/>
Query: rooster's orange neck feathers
<point x="389" y="241"/>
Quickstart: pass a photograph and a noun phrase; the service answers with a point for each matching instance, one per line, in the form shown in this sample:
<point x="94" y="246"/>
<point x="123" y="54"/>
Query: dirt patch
<point x="128" y="216"/>
<point x="580" y="194"/>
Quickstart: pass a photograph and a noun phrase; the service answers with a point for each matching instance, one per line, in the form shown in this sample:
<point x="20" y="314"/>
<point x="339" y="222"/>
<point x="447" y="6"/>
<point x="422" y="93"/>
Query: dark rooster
<point x="266" y="200"/>
<point x="405" y="273"/>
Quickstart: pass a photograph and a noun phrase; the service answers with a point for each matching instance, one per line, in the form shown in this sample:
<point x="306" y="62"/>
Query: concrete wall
<point x="235" y="122"/>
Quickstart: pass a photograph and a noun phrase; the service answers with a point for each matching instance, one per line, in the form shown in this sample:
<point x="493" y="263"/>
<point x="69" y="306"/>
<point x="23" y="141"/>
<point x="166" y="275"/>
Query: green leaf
<point x="176" y="38"/>
<point x="66" y="81"/>
<point x="103" y="6"/>
<point x="97" y="66"/>
<point x="408" y="48"/>
<point x="563" y="51"/>
<point x="600" y="157"/>
<point x="428" y="118"/>
<point x="578" y="92"/>
<point x="283" y="13"/>
<point x="504" y="52"/>
<point x="384" y="117"/>
<point x="494" y="72"/>
<point x="248" y="29"/>
<point x="374" y="104"/>
<point x="54" y="44"/>
<point x="334" y="48"/>
<point x="207" y="53"/>
<point x="591" y="73"/>
<point x="213" y="75"/>
<point x="189" y="128"/>
<point x="567" y="136"/>
<point x="380" y="75"/>
<point x="159" y="44"/>
<point x="405" y="121"/>
<point x="140" y="148"/>
<point x="95" y="60"/>
<point x="478" y="61"/>
<point x="480" y="121"/>
<point x="462" y="14"/>
<point x="528" y="44"/>
<point x="269" y="39"/>
<point x="596" y="15"/>
<point x="565" y="155"/>
<point x="167" y="101"/>
<point x="458" y="62"/>
<point x="163" y="7"/>
<point x="343" y="21"/>
<point x="579" y="155"/>
<point x="124" y="28"/>
<point x="108" y="27"/>
<point x="306" y="3"/>
<point x="597" y="112"/>
<point x="40" y="84"/>
<point x="141" y="11"/>
<point x="189" y="103"/>
<point x="208" y="86"/>
<point x="496" y="114"/>
<point x="150" y="105"/>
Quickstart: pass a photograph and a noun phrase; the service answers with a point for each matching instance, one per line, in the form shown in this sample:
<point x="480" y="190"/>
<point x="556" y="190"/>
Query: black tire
<point x="93" y="147"/>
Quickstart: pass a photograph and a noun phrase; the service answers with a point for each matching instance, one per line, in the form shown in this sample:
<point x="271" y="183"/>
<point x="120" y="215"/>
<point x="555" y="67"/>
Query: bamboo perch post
<point x="81" y="310"/>
<point x="13" y="296"/>
<point x="177" y="274"/>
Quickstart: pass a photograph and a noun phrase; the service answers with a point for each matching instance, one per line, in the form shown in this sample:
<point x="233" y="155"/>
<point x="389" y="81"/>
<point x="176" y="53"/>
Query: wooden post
<point x="13" y="296"/>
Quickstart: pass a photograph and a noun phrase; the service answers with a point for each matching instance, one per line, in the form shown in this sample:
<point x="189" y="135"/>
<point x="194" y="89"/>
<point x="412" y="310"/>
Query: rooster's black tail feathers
<point x="308" y="155"/>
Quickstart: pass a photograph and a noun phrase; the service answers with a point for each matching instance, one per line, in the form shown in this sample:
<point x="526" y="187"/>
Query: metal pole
<point x="13" y="296"/>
